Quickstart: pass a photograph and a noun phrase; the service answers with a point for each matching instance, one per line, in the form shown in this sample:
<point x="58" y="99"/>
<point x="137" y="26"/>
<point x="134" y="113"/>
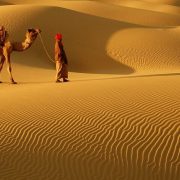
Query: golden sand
<point x="119" y="116"/>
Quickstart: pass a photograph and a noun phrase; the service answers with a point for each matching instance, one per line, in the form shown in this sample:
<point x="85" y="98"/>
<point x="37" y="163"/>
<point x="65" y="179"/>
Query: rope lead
<point x="45" y="49"/>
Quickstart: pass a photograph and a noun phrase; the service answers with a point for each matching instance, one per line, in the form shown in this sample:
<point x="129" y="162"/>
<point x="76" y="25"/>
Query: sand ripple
<point x="104" y="136"/>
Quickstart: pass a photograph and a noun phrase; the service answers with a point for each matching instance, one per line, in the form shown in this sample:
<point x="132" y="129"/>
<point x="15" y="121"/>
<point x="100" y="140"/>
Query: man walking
<point x="61" y="60"/>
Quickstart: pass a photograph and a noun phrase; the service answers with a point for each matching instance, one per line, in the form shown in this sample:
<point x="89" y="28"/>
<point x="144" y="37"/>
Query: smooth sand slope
<point x="170" y="2"/>
<point x="117" y="119"/>
<point x="146" y="5"/>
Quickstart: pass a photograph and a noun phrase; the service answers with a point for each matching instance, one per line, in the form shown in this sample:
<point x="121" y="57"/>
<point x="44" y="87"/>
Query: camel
<point x="9" y="47"/>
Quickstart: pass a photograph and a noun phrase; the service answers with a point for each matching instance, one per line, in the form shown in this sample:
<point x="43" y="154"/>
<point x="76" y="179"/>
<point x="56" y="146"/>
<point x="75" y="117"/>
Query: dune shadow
<point x="2" y="3"/>
<point x="177" y="3"/>
<point x="85" y="38"/>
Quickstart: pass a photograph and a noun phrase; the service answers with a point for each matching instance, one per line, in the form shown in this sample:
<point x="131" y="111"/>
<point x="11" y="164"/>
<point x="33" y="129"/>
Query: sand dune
<point x="118" y="118"/>
<point x="147" y="50"/>
<point x="97" y="51"/>
<point x="146" y="5"/>
<point x="170" y="2"/>
<point x="156" y="2"/>
<point x="93" y="58"/>
<point x="55" y="2"/>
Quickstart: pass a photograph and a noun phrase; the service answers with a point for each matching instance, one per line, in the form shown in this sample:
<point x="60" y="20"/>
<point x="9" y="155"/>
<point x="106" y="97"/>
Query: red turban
<point x="58" y="36"/>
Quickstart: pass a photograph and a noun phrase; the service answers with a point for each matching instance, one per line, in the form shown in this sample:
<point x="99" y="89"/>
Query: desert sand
<point x="119" y="116"/>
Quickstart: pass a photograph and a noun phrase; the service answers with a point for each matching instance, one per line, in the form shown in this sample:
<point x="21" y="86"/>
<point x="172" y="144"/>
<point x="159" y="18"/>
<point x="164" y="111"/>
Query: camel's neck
<point x="22" y="46"/>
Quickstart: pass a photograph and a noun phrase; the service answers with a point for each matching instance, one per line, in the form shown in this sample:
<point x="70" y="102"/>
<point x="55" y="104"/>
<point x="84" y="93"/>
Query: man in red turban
<point x="61" y="60"/>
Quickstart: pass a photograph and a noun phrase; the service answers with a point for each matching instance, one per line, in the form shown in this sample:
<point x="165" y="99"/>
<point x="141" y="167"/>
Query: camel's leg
<point x="9" y="69"/>
<point x="1" y="64"/>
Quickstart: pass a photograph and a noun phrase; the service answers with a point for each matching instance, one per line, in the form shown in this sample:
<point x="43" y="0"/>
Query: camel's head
<point x="32" y="33"/>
